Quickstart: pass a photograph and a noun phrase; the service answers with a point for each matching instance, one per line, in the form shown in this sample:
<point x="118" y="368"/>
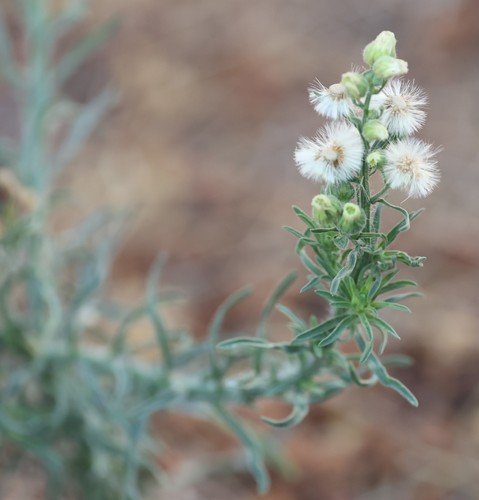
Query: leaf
<point x="83" y="126"/>
<point x="370" y="338"/>
<point x="246" y="342"/>
<point x="402" y="226"/>
<point x="338" y="330"/>
<point x="377" y="218"/>
<point x="282" y="286"/>
<point x="375" y="282"/>
<point x="83" y="49"/>
<point x="382" y="325"/>
<point x="341" y="242"/>
<point x="380" y="371"/>
<point x="316" y="281"/>
<point x="324" y="230"/>
<point x="389" y="287"/>
<point x="305" y="217"/>
<point x="393" y="383"/>
<point x="297" y="415"/>
<point x="319" y="330"/>
<point x="345" y="271"/>
<point x="391" y="305"/>
<point x="218" y="319"/>
<point x="161" y="332"/>
<point x="293" y="231"/>
<point x="292" y="316"/>
<point x="310" y="265"/>
<point x="253" y="449"/>
<point x="403" y="296"/>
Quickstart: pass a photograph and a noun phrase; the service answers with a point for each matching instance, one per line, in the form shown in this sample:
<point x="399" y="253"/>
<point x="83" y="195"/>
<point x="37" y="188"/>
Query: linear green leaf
<point x="252" y="447"/>
<point x="382" y="325"/>
<point x="345" y="271"/>
<point x="338" y="330"/>
<point x="297" y="415"/>
<point x="319" y="330"/>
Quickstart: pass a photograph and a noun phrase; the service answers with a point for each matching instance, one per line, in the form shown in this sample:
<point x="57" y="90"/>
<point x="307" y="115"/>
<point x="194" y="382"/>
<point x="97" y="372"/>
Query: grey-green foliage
<point x="75" y="394"/>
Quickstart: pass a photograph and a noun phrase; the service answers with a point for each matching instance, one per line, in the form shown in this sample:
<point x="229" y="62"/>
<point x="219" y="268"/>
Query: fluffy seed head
<point x="410" y="165"/>
<point x="334" y="155"/>
<point x="331" y="102"/>
<point x="403" y="104"/>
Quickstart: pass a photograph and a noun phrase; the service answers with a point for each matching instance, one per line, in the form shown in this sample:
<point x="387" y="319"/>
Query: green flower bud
<point x="374" y="130"/>
<point x="388" y="67"/>
<point x="355" y="84"/>
<point x="326" y="209"/>
<point x="375" y="159"/>
<point x="383" y="45"/>
<point x="344" y="191"/>
<point x="352" y="219"/>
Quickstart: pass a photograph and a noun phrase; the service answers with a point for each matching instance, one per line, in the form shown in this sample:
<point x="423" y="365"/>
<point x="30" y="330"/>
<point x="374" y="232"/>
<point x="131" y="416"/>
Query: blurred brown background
<point x="213" y="100"/>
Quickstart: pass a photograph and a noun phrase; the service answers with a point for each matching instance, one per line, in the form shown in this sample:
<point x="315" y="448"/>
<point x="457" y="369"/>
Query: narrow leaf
<point x="297" y="415"/>
<point x="345" y="271"/>
<point x="338" y="330"/>
<point x="252" y="447"/>
<point x="370" y="338"/>
<point x="382" y="325"/>
<point x="319" y="330"/>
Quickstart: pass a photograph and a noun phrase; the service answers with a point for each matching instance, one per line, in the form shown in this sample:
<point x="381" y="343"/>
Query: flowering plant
<point x="354" y="266"/>
<point x="76" y="398"/>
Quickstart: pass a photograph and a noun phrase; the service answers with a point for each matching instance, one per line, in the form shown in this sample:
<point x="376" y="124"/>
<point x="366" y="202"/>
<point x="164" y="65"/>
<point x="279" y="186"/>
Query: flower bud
<point x="326" y="209"/>
<point x="355" y="84"/>
<point x="375" y="159"/>
<point x="383" y="45"/>
<point x="344" y="191"/>
<point x="388" y="67"/>
<point x="352" y="219"/>
<point x="374" y="130"/>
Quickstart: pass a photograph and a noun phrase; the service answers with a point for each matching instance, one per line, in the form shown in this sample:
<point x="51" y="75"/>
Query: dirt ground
<point x="213" y="100"/>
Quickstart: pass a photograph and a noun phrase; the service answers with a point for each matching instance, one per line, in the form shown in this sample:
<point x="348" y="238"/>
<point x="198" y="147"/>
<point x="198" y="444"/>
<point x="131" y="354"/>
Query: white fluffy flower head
<point x="403" y="104"/>
<point x="410" y="165"/>
<point x="334" y="155"/>
<point x="331" y="102"/>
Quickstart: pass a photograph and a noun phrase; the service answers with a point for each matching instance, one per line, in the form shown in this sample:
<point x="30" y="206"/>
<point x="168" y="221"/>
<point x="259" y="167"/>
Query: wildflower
<point x="402" y="107"/>
<point x="333" y="156"/>
<point x="331" y="102"/>
<point x="410" y="166"/>
<point x="383" y="45"/>
<point x="389" y="67"/>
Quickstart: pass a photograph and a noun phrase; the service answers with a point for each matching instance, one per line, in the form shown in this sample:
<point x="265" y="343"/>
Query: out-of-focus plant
<point x="74" y="394"/>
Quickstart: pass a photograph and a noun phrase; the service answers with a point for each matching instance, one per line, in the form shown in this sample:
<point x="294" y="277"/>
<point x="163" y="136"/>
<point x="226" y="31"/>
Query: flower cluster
<point x="377" y="112"/>
<point x="373" y="114"/>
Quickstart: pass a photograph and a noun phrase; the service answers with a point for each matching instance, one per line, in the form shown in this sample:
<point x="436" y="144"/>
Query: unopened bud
<point x="374" y="130"/>
<point x="383" y="45"/>
<point x="326" y="209"/>
<point x="388" y="67"/>
<point x="355" y="84"/>
<point x="352" y="219"/>
<point x="343" y="191"/>
<point x="375" y="159"/>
